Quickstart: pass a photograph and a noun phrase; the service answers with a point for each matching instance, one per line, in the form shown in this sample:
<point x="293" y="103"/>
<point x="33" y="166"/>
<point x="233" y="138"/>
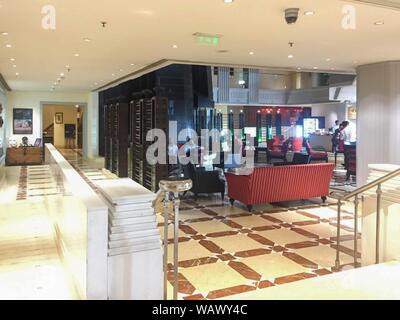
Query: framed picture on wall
<point x="59" y="117"/>
<point x="22" y="121"/>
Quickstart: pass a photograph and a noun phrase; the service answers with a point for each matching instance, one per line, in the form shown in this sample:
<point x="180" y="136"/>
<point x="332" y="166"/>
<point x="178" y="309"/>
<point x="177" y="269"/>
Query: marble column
<point x="378" y="108"/>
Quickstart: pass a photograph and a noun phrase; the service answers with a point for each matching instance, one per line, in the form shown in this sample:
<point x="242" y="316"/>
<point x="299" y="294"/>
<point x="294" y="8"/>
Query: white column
<point x="378" y="108"/>
<point x="90" y="127"/>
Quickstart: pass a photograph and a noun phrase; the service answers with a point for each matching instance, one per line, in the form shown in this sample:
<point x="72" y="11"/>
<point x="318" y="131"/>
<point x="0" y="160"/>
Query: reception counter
<point x="321" y="141"/>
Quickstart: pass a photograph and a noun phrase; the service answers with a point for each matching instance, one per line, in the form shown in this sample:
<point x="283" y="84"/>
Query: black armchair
<point x="204" y="181"/>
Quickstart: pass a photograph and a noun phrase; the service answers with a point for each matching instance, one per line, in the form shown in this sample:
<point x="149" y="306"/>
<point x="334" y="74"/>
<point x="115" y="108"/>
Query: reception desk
<point x="321" y="141"/>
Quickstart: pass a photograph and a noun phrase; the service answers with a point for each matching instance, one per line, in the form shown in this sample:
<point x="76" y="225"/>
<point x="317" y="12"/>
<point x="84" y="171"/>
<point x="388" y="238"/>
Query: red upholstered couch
<point x="276" y="184"/>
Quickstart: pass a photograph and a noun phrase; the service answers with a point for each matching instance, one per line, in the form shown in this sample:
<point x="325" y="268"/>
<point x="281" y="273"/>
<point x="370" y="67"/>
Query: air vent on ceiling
<point x="394" y="4"/>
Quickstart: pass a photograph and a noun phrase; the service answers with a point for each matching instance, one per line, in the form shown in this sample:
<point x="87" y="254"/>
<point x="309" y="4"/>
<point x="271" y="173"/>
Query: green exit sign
<point x="211" y="40"/>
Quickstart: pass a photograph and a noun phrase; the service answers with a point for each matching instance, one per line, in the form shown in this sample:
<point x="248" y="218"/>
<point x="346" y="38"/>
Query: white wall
<point x="3" y="101"/>
<point x="34" y="99"/>
<point x="331" y="112"/>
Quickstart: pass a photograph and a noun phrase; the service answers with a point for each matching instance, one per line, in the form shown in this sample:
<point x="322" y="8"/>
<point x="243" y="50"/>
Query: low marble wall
<point x="389" y="218"/>
<point x="81" y="228"/>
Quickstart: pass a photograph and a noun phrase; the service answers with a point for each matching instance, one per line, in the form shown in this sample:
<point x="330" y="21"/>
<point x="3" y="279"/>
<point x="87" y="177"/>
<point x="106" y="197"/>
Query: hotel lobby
<point x="243" y="152"/>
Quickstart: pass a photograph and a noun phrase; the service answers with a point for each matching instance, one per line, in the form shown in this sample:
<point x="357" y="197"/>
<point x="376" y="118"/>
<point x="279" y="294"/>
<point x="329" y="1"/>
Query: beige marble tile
<point x="324" y="256"/>
<point x="192" y="214"/>
<point x="324" y="230"/>
<point x="273" y="265"/>
<point x="210" y="227"/>
<point x="252" y="221"/>
<point x="237" y="243"/>
<point x="283" y="236"/>
<point x="228" y="210"/>
<point x="322" y="212"/>
<point x="289" y="216"/>
<point x="188" y="250"/>
<point x="213" y="276"/>
<point x="171" y="232"/>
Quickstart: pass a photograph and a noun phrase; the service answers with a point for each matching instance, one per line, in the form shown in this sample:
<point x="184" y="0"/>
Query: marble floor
<point x="225" y="250"/>
<point x="30" y="265"/>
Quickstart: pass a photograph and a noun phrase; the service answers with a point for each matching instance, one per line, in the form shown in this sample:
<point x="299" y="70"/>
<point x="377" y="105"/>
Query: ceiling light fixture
<point x="309" y="13"/>
<point x="290" y="56"/>
<point x="379" y="23"/>
<point x="132" y="64"/>
<point x="175" y="46"/>
<point x="4" y="33"/>
<point x="8" y="45"/>
<point x="328" y="59"/>
<point x="12" y="59"/>
<point x="228" y="1"/>
<point x="315" y="68"/>
<point x="76" y="54"/>
<point x="17" y="74"/>
<point x="62" y="74"/>
<point x="14" y="65"/>
<point x="251" y="53"/>
<point x="87" y="39"/>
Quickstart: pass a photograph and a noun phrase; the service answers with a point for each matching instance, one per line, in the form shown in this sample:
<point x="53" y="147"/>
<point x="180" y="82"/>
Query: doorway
<point x="63" y="125"/>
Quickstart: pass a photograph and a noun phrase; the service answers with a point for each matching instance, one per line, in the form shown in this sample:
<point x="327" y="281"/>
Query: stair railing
<point x="356" y="196"/>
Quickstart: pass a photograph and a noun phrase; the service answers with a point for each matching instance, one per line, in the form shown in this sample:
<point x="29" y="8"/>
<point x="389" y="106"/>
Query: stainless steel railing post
<point x="356" y="203"/>
<point x="176" y="202"/>
<point x="378" y="221"/>
<point x="337" y="262"/>
<point x="166" y="220"/>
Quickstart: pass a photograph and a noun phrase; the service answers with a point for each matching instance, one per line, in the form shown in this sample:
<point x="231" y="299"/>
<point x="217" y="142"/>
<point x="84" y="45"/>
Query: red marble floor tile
<point x="300" y="260"/>
<point x="305" y="233"/>
<point x="265" y="284"/>
<point x="226" y="257"/>
<point x="211" y="246"/>
<point x="252" y="253"/>
<point x="222" y="293"/>
<point x="301" y="245"/>
<point x="260" y="239"/>
<point x="221" y="234"/>
<point x="322" y="272"/>
<point x="244" y="270"/>
<point x="294" y="277"/>
<point x="194" y="297"/>
<point x="197" y="262"/>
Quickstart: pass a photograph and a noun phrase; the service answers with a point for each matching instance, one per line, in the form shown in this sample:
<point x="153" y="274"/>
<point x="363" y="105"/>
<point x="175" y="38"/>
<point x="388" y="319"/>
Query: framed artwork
<point x="59" y="118"/>
<point x="352" y="113"/>
<point x="22" y="121"/>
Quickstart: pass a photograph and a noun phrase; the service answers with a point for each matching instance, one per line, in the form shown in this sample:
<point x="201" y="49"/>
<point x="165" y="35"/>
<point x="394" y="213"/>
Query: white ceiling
<point x="143" y="32"/>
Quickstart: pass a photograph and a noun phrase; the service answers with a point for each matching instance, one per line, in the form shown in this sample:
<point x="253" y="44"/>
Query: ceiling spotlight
<point x="328" y="59"/>
<point x="298" y="68"/>
<point x="62" y="74"/>
<point x="228" y="1"/>
<point x="175" y="46"/>
<point x="379" y="23"/>
<point x="309" y="13"/>
<point x="132" y="64"/>
<point x="12" y="59"/>
<point x="17" y="74"/>
<point x="290" y="56"/>
<point x="251" y="53"/>
<point x="4" y="33"/>
<point x="315" y="68"/>
<point x="87" y="39"/>
<point x="8" y="45"/>
<point x="113" y="74"/>
<point x="76" y="55"/>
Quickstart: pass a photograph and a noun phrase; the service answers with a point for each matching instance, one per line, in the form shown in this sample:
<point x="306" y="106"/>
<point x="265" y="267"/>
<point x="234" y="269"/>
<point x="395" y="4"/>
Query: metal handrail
<point x="356" y="194"/>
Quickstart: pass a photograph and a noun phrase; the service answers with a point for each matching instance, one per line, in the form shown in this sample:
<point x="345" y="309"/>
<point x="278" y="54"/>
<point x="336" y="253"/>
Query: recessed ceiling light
<point x="315" y="68"/>
<point x="379" y="23"/>
<point x="132" y="64"/>
<point x="332" y="68"/>
<point x="175" y="46"/>
<point x="309" y="13"/>
<point x="17" y="74"/>
<point x="251" y="53"/>
<point x="87" y="39"/>
<point x="298" y="68"/>
<point x="113" y="74"/>
<point x="328" y="59"/>
<point x="76" y="55"/>
<point x="290" y="56"/>
<point x="8" y="45"/>
<point x="228" y="1"/>
<point x="12" y="59"/>
<point x="62" y="74"/>
<point x="4" y="33"/>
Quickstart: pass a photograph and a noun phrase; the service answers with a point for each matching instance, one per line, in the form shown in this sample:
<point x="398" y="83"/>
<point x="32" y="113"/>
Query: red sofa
<point x="276" y="184"/>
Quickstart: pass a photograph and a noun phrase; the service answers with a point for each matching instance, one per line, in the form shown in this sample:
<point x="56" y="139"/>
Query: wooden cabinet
<point x="24" y="156"/>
